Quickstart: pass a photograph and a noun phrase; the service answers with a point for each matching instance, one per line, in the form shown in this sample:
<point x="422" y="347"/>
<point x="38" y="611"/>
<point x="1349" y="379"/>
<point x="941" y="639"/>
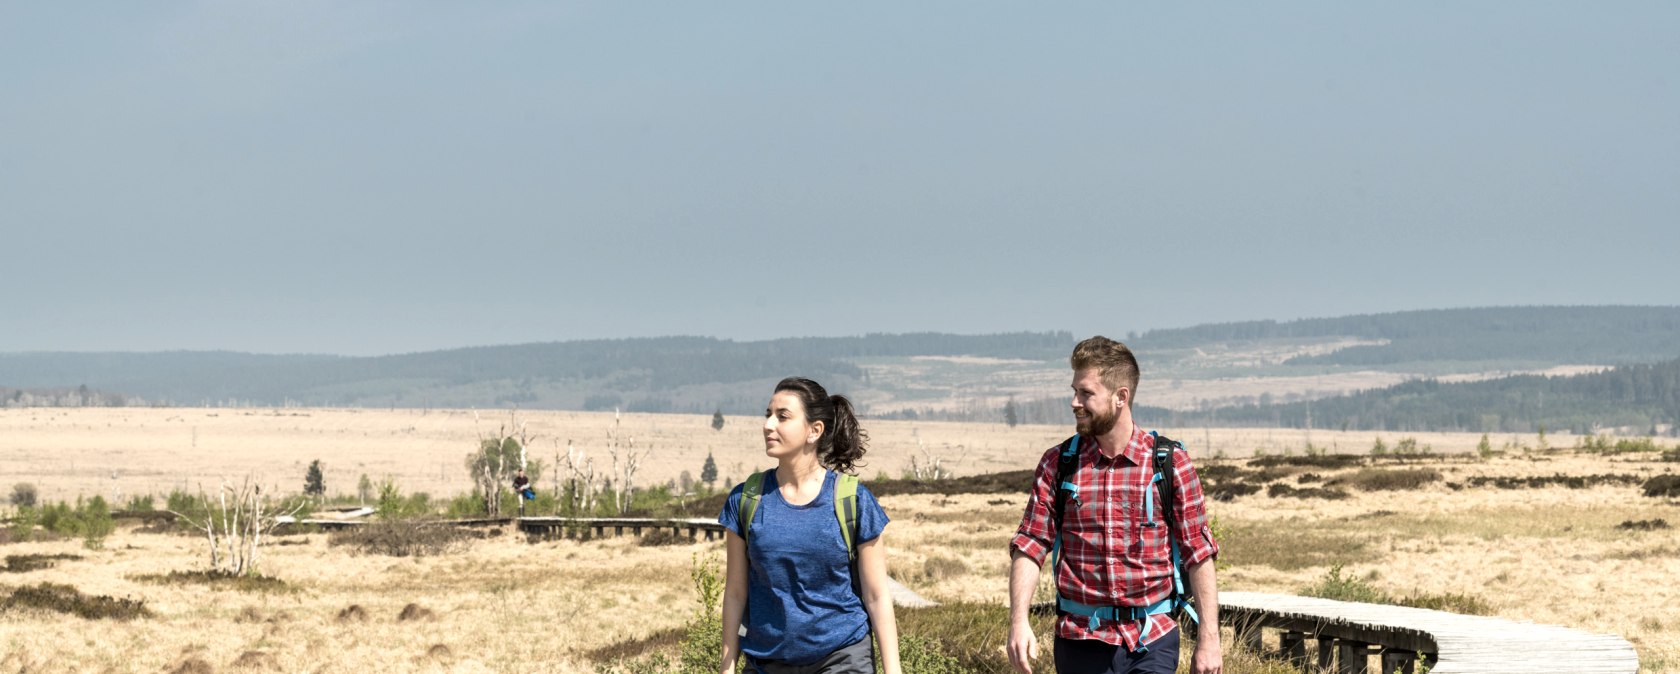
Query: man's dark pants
<point x="1089" y="656"/>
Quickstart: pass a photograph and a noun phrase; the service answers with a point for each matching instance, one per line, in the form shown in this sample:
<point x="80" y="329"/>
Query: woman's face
<point x="786" y="430"/>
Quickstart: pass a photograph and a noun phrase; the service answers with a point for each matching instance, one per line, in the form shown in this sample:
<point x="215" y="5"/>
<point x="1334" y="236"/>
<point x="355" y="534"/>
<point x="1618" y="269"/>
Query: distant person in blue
<point x="522" y="487"/>
<point x="789" y="603"/>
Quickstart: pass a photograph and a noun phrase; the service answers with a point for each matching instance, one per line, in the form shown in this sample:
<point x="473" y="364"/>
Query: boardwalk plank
<point x="1460" y="643"/>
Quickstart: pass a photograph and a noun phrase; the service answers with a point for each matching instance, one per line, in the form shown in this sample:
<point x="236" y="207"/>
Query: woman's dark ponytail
<point x="846" y="444"/>
<point x="843" y="441"/>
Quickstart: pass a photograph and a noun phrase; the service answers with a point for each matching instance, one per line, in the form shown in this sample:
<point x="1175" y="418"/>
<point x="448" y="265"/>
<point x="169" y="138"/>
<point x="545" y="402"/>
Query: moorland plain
<point x="121" y="452"/>
<point x="1529" y="550"/>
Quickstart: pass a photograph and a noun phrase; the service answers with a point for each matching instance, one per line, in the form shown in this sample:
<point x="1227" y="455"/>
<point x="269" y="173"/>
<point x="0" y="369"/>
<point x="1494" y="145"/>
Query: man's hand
<point x="1207" y="658"/>
<point x="1023" y="646"/>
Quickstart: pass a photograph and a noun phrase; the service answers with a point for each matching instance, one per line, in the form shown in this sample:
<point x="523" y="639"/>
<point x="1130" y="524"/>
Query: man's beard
<point x="1096" y="425"/>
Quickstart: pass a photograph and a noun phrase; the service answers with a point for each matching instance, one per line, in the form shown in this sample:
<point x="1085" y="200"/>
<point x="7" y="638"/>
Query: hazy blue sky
<point x="380" y="177"/>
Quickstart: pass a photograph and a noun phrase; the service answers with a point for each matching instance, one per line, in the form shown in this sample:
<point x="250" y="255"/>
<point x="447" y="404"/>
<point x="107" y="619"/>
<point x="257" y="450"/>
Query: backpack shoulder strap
<point x="1166" y="481"/>
<point x="751" y="492"/>
<point x="846" y="511"/>
<point x="1067" y="463"/>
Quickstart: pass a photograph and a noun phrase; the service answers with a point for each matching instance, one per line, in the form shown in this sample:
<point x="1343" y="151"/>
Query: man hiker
<point x="1121" y="514"/>
<point x="522" y="487"/>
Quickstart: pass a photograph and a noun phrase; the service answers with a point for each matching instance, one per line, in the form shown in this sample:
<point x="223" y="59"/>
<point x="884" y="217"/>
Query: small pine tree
<point x="717" y="420"/>
<point x="97" y="523"/>
<point x="708" y="471"/>
<point x="314" y="482"/>
<point x="1379" y="448"/>
<point x="1484" y="448"/>
<point x="1010" y="415"/>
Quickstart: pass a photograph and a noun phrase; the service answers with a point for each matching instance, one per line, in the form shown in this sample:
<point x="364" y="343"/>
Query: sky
<point x="367" y="178"/>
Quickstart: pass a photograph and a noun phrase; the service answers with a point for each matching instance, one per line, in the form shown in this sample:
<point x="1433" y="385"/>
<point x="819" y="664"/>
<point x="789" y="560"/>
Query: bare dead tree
<point x="236" y="525"/>
<point x="581" y="470"/>
<point x="626" y="460"/>
<point x="928" y="467"/>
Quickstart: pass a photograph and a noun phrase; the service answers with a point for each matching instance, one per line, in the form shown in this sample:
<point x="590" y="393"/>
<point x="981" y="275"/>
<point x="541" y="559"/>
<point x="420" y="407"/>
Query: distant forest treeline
<point x="1641" y="398"/>
<point x="80" y="396"/>
<point x="1607" y="335"/>
<point x="649" y="364"/>
<point x="1644" y="397"/>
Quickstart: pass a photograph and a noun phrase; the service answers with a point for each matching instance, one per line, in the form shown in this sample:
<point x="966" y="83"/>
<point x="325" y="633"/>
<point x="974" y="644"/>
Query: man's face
<point x="1096" y="408"/>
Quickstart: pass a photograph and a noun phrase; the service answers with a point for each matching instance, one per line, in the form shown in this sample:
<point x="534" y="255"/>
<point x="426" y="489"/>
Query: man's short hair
<point x="1114" y="363"/>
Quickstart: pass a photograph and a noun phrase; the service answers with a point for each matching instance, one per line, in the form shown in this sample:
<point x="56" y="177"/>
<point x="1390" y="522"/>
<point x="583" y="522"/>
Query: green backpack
<point x="845" y="510"/>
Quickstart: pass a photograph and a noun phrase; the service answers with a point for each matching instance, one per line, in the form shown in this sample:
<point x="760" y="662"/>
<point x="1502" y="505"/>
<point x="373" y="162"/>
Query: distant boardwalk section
<point x="1349" y="635"/>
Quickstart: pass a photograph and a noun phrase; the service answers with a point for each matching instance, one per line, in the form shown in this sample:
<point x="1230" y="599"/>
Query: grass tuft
<point x="972" y="635"/>
<point x="256" y="660"/>
<point x="1378" y="479"/>
<point x="1662" y="485"/>
<point x="67" y="599"/>
<point x="26" y="563"/>
<point x="193" y="666"/>
<point x="1327" y="461"/>
<point x="403" y="538"/>
<point x="219" y="579"/>
<point x="1280" y="490"/>
<point x="631" y="649"/>
<point x="353" y="613"/>
<point x="416" y="612"/>
<point x="939" y="567"/>
<point x="659" y="537"/>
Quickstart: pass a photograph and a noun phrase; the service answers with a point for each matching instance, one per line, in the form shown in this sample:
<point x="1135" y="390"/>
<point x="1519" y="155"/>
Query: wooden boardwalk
<point x="709" y="528"/>
<point x="1350" y="633"/>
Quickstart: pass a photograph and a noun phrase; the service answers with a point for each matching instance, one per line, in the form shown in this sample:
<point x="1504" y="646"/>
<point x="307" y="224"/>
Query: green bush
<point x="702" y="640"/>
<point x="918" y="655"/>
<point x="1336" y="586"/>
<point x="23" y="524"/>
<point x="138" y="503"/>
<point x="89" y="520"/>
<point x="96" y="522"/>
<point x="1453" y="602"/>
<point x="465" y="506"/>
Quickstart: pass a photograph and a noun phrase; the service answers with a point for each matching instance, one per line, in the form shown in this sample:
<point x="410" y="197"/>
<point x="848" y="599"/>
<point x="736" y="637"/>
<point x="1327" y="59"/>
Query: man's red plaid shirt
<point x="1111" y="556"/>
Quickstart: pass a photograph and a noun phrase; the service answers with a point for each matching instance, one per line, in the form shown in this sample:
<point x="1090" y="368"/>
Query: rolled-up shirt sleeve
<point x="1037" y="533"/>
<point x="1194" y="534"/>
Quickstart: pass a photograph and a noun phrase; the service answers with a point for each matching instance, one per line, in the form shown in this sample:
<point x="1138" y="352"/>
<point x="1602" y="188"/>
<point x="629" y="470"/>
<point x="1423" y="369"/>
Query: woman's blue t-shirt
<point x="800" y="603"/>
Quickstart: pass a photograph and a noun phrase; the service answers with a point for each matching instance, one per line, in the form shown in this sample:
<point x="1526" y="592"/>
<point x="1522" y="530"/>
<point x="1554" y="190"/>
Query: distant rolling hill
<point x="1216" y="366"/>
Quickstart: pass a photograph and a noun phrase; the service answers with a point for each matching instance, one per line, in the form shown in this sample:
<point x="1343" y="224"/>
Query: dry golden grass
<point x="1551" y="555"/>
<point x="501" y="605"/>
<point x="126" y="451"/>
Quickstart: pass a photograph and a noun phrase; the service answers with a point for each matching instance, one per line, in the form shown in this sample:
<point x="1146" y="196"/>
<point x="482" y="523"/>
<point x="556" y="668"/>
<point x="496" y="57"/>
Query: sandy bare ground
<point x="120" y="452"/>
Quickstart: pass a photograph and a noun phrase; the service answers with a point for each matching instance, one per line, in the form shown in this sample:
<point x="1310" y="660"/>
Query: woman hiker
<point x="795" y="600"/>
